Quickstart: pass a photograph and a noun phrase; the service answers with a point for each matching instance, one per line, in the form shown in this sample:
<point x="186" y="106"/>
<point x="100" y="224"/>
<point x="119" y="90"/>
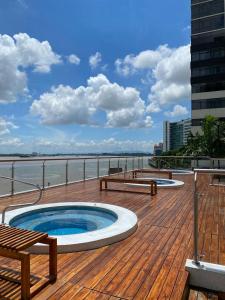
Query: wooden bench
<point x="152" y="184"/>
<point x="150" y="171"/>
<point x="115" y="170"/>
<point x="21" y="285"/>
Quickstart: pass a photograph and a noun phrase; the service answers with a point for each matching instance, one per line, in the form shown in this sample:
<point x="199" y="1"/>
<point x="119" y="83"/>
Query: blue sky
<point x="91" y="75"/>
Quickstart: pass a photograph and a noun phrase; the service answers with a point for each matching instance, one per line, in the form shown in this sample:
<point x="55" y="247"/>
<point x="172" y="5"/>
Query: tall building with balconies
<point x="175" y="134"/>
<point x="207" y="60"/>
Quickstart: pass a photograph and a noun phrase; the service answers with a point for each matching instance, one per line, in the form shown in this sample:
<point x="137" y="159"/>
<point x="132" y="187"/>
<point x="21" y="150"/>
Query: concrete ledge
<point x="206" y="275"/>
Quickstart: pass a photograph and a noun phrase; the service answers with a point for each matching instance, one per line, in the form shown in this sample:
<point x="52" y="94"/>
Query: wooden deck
<point x="150" y="263"/>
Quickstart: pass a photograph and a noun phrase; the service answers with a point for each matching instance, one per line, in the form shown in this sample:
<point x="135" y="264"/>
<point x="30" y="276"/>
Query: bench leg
<point x="151" y="190"/>
<point x="25" y="276"/>
<point x="100" y="183"/>
<point x="52" y="259"/>
<point x="156" y="189"/>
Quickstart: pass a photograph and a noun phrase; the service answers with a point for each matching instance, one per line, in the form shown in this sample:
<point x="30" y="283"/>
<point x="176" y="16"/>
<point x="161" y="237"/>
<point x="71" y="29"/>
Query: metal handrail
<point x="56" y="158"/>
<point x="196" y="172"/>
<point x="20" y="204"/>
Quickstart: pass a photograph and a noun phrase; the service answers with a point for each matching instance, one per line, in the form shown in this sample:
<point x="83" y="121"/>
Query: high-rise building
<point x="207" y="60"/>
<point x="175" y="134"/>
<point x="158" y="149"/>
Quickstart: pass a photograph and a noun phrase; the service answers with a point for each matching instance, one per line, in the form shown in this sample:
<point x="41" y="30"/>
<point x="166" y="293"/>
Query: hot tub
<point x="161" y="182"/>
<point x="179" y="171"/>
<point x="77" y="225"/>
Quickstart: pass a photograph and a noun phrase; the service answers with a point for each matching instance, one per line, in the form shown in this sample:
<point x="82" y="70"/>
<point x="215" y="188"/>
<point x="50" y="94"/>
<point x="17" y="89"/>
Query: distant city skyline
<point x="91" y="75"/>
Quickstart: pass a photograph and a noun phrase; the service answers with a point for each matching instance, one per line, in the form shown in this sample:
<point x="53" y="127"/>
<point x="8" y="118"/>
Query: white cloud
<point x="95" y="60"/>
<point x="6" y="126"/>
<point x="153" y="108"/>
<point x="32" y="52"/>
<point x="74" y="59"/>
<point x="147" y="59"/>
<point x="92" y="146"/>
<point x="172" y="78"/>
<point x="169" y="72"/>
<point x="177" y="111"/>
<point x="16" y="54"/>
<point x="122" y="107"/>
<point x="11" y="142"/>
<point x="63" y="105"/>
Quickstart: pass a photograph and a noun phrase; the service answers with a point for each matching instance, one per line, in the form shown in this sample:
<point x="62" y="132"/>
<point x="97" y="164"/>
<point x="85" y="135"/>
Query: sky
<point x="92" y="75"/>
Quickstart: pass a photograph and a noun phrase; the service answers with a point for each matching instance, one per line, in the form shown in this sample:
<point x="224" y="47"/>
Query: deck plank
<point x="150" y="263"/>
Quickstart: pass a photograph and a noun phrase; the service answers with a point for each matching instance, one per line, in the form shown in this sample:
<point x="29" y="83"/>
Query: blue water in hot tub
<point x="65" y="220"/>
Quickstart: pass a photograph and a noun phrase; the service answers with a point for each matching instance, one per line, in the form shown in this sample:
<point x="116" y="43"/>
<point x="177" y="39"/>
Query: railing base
<point x="206" y="275"/>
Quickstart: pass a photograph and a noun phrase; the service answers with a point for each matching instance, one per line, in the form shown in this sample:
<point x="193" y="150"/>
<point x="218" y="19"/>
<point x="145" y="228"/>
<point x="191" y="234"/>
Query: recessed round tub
<point x="179" y="171"/>
<point x="161" y="183"/>
<point x="76" y="225"/>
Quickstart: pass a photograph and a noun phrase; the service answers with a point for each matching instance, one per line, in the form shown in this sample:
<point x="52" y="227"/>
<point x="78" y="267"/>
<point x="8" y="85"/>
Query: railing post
<point x="109" y="167"/>
<point x="67" y="167"/>
<point x="118" y="165"/>
<point x="197" y="164"/>
<point x="196" y="256"/>
<point x="43" y="175"/>
<point x="13" y="176"/>
<point x="142" y="162"/>
<point x="133" y="163"/>
<point x="218" y="163"/>
<point x="97" y="167"/>
<point x="84" y="170"/>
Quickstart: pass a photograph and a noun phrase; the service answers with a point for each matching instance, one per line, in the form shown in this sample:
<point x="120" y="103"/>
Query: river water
<point x="55" y="171"/>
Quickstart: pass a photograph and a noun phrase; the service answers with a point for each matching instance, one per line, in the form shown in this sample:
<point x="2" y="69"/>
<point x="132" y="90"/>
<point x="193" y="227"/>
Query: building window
<point x="206" y="71"/>
<point x="208" y="103"/>
<point x="208" y="54"/>
<point x="198" y="122"/>
<point x="198" y="1"/>
<point x="208" y="87"/>
<point x="207" y="8"/>
<point x="208" y="24"/>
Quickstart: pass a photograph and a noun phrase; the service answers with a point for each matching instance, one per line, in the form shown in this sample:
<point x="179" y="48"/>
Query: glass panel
<point x="129" y="163"/>
<point x="103" y="167"/>
<point x="29" y="172"/>
<point x="75" y="170"/>
<point x="55" y="172"/>
<point x="5" y="185"/>
<point x="208" y="87"/>
<point x="207" y="8"/>
<point x="205" y="71"/>
<point x="207" y="24"/>
<point x="91" y="168"/>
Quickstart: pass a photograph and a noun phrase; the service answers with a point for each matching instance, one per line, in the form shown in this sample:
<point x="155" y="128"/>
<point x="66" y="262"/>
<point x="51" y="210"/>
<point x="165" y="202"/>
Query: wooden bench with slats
<point x="150" y="171"/>
<point x="152" y="184"/>
<point x="13" y="243"/>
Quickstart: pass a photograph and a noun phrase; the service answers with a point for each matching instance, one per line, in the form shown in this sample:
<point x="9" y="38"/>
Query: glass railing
<point x="50" y="172"/>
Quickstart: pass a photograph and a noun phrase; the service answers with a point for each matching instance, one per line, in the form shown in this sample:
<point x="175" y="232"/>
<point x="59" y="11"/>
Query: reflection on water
<point x="55" y="171"/>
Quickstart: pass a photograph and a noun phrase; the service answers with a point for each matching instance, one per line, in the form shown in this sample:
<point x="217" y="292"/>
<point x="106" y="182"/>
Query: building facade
<point x="207" y="60"/>
<point x="158" y="149"/>
<point x="175" y="134"/>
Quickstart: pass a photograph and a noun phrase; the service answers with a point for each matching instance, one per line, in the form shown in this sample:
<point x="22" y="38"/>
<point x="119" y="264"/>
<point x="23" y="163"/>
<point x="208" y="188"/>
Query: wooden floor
<point x="150" y="263"/>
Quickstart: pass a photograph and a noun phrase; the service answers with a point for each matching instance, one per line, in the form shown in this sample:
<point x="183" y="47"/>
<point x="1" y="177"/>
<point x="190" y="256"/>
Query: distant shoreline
<point x="24" y="155"/>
